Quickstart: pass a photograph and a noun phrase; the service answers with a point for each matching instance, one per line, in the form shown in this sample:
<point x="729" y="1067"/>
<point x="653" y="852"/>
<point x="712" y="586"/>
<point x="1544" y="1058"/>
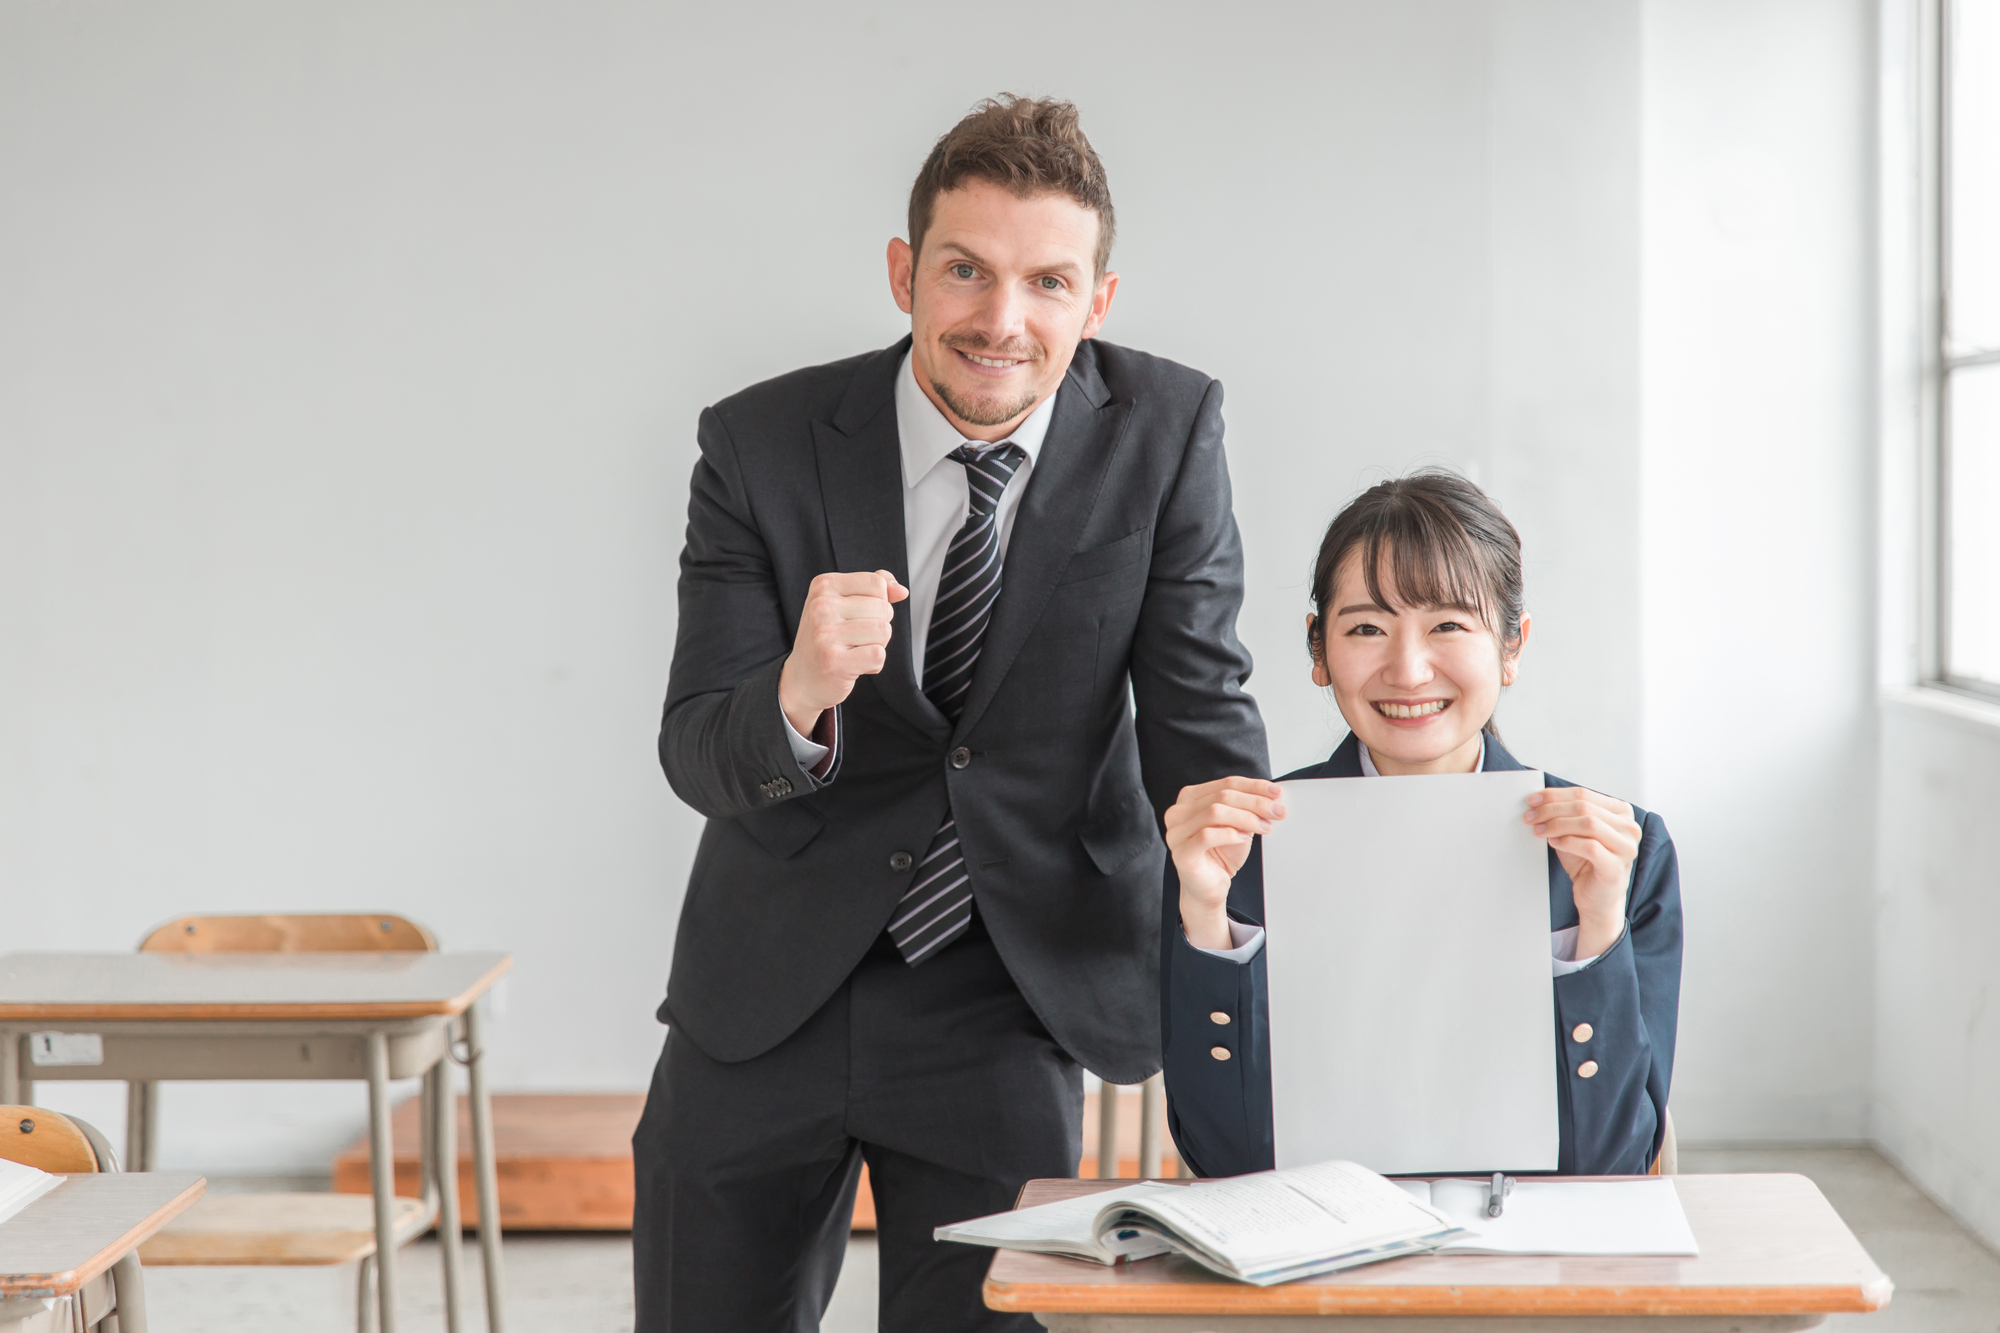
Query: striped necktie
<point x="938" y="906"/>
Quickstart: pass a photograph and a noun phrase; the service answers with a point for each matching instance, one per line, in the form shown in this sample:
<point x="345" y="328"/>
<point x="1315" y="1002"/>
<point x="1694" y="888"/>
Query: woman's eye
<point x="1451" y="625"/>
<point x="1365" y="630"/>
<point x="963" y="272"/>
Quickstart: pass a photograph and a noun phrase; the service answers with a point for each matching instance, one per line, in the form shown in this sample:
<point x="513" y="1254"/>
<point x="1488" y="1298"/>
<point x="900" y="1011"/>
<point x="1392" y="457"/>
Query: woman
<point x="1417" y="626"/>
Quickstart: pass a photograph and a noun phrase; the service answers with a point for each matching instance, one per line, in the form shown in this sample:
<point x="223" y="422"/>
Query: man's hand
<point x="843" y="635"/>
<point x="1596" y="839"/>
<point x="1209" y="829"/>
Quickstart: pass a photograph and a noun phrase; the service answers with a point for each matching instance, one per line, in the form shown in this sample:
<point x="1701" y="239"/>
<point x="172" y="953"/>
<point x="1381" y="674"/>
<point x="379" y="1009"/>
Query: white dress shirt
<point x="935" y="497"/>
<point x="1246" y="940"/>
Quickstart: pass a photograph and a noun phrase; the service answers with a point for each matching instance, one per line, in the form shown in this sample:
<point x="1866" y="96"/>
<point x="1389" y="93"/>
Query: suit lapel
<point x="1062" y="491"/>
<point x="861" y="486"/>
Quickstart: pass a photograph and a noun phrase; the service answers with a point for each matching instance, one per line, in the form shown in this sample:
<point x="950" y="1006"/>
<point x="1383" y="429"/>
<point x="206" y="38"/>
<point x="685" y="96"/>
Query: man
<point x="957" y="621"/>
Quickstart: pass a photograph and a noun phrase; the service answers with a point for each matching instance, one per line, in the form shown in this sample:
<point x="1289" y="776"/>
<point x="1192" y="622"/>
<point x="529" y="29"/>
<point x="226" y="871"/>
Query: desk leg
<point x="486" y="1176"/>
<point x="445" y="1136"/>
<point x="382" y="1176"/>
<point x="10" y="1069"/>
<point x="142" y="1125"/>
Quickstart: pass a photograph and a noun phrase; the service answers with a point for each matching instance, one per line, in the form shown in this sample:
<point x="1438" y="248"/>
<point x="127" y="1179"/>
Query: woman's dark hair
<point x="1444" y="543"/>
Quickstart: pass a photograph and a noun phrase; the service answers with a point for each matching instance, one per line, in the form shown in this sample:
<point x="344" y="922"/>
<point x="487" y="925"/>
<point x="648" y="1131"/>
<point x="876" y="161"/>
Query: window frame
<point x="1941" y="359"/>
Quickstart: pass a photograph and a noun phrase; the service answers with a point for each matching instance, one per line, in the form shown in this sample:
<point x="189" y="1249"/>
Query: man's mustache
<point x="984" y="346"/>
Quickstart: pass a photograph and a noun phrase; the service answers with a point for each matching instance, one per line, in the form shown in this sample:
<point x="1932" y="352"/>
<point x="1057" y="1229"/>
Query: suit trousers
<point x="939" y="1077"/>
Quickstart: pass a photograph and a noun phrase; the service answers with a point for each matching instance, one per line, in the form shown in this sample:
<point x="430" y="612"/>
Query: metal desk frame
<point x="144" y="1052"/>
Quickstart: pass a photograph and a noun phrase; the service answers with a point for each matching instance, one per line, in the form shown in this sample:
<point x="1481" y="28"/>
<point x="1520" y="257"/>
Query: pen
<point x="1496" y="1194"/>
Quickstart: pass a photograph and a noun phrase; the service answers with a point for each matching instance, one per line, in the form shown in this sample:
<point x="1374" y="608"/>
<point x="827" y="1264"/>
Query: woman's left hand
<point x="1596" y="839"/>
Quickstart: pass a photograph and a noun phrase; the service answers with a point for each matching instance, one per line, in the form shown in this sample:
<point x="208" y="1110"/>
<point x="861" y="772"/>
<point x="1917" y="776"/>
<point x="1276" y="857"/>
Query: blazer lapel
<point x="861" y="485"/>
<point x="1062" y="491"/>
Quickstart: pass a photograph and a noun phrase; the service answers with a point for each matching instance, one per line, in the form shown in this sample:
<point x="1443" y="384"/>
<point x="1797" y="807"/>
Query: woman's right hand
<point x="1208" y="833"/>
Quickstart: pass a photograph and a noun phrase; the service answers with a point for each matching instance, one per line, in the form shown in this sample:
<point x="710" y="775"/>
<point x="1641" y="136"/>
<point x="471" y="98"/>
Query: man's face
<point x="1002" y="292"/>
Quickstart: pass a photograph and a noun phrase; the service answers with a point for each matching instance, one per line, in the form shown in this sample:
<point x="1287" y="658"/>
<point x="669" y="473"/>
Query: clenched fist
<point x="843" y="635"/>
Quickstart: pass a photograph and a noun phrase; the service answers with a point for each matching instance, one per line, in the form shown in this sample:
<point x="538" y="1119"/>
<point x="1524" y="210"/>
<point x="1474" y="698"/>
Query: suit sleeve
<point x="1630" y="1000"/>
<point x="1218" y="1106"/>
<point x="723" y="740"/>
<point x="1195" y="722"/>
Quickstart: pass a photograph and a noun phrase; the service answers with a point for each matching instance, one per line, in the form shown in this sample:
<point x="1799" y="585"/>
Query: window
<point x="1969" y="360"/>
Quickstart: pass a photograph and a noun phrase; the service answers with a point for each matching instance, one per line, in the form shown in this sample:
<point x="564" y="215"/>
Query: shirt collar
<point x="927" y="438"/>
<point x="1368" y="760"/>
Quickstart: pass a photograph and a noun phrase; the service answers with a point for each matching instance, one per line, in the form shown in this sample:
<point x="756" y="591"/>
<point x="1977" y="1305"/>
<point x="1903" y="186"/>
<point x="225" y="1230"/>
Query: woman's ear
<point x="1316" y="645"/>
<point x="1510" y="661"/>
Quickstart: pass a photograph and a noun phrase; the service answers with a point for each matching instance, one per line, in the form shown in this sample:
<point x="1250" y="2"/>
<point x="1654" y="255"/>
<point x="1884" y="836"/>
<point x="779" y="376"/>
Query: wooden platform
<point x="565" y="1159"/>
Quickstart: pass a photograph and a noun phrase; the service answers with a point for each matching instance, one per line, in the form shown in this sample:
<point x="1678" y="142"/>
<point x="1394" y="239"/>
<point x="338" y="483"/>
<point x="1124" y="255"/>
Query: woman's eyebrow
<point x="1365" y="606"/>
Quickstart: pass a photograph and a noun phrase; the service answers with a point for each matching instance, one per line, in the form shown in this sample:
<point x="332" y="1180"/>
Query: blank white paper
<point x="1412" y="1008"/>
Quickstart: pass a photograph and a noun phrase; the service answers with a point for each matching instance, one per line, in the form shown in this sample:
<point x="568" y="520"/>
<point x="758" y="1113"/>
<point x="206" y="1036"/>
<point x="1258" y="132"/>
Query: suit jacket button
<point x="901" y="861"/>
<point x="1588" y="1069"/>
<point x="1583" y="1032"/>
<point x="961" y="757"/>
<point x="1218" y="1017"/>
<point x="1219" y="1052"/>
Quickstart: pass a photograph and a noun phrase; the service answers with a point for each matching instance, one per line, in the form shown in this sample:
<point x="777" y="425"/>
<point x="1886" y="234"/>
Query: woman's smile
<point x="1415" y="711"/>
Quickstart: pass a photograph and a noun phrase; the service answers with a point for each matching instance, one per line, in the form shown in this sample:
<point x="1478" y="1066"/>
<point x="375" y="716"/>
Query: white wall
<point x="1757" y="486"/>
<point x="1936" y="916"/>
<point x="349" y="358"/>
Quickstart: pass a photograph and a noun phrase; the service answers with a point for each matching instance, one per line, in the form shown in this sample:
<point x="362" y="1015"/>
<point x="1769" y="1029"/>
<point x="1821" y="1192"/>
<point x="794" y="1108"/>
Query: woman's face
<point x="1414" y="683"/>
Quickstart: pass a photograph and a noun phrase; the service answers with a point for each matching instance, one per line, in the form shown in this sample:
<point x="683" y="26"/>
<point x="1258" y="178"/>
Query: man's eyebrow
<point x="955" y="246"/>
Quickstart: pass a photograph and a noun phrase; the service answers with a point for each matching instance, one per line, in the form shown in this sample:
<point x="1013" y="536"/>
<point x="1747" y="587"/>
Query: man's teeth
<point x="1413" y="710"/>
<point x="989" y="361"/>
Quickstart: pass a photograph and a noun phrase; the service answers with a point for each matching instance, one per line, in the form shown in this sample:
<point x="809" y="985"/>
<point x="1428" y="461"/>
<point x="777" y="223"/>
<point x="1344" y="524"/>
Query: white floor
<point x="1946" y="1281"/>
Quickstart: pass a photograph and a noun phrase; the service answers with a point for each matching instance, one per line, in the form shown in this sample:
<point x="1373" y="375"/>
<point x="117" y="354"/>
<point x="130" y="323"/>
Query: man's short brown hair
<point x="1027" y="146"/>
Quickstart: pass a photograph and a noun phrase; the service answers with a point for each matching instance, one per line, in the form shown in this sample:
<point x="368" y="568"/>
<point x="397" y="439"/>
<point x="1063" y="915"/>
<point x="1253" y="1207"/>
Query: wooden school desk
<point x="372" y="1016"/>
<point x="1774" y="1255"/>
<point x="65" y="1242"/>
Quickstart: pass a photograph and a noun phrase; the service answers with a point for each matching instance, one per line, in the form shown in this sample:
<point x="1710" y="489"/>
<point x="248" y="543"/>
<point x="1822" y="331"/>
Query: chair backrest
<point x="47" y="1140"/>
<point x="356" y="932"/>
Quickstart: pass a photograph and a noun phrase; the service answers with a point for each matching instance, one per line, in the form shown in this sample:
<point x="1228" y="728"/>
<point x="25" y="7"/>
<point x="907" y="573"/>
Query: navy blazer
<point x="1611" y="1123"/>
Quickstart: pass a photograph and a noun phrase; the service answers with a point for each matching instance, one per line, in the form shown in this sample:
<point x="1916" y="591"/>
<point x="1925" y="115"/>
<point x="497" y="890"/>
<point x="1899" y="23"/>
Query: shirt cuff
<point x="1246" y="938"/>
<point x="1562" y="952"/>
<point x="811" y="754"/>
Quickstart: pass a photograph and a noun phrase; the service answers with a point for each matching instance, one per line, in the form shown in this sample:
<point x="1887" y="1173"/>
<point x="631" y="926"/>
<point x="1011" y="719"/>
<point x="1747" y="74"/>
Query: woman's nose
<point x="1409" y="667"/>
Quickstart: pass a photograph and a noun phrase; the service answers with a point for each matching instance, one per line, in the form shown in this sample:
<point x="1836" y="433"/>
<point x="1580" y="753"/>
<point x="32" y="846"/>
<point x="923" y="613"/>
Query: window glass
<point x="1972" y="172"/>
<point x="1972" y="523"/>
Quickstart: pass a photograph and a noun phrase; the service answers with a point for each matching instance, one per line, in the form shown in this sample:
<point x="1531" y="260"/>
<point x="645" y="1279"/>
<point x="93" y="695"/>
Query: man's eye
<point x="963" y="272"/>
<point x="1051" y="284"/>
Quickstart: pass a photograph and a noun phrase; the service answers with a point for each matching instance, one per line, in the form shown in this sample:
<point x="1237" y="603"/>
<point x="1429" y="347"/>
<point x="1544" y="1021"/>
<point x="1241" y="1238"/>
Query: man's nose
<point x="1003" y="315"/>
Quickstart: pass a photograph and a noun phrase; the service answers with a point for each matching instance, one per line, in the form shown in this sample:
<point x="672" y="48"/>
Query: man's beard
<point x="974" y="413"/>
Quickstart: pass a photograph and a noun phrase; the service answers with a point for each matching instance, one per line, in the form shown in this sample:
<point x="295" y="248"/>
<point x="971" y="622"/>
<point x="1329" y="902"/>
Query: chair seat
<point x="278" y="1229"/>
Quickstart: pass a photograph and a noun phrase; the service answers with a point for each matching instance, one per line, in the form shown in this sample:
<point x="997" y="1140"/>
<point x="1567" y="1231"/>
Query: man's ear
<point x="1100" y="304"/>
<point x="1510" y="661"/>
<point x="902" y="271"/>
<point x="1317" y="647"/>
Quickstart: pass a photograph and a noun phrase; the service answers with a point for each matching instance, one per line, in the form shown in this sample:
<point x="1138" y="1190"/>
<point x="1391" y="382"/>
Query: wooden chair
<point x="50" y="1141"/>
<point x="284" y="1229"/>
<point x="1667" y="1162"/>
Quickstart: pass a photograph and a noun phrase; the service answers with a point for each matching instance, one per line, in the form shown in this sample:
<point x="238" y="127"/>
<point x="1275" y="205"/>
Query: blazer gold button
<point x="1218" y="1017"/>
<point x="961" y="757"/>
<point x="1584" y="1032"/>
<point x="901" y="861"/>
<point x="1219" y="1052"/>
<point x="1588" y="1069"/>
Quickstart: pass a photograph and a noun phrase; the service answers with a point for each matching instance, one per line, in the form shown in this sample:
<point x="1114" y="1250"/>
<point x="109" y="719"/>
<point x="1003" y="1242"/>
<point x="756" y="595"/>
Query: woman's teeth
<point x="1413" y="710"/>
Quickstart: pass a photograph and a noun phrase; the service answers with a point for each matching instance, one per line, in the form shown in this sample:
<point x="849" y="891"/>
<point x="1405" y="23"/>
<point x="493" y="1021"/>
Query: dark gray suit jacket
<point x="1124" y="566"/>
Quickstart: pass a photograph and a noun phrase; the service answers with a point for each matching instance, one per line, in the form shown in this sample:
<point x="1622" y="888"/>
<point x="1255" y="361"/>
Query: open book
<point x="21" y="1186"/>
<point x="1264" y="1228"/>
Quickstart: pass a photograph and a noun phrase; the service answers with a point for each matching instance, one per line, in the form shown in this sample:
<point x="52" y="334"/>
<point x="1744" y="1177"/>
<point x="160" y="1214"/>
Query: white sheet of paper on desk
<point x="1412" y="1011"/>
